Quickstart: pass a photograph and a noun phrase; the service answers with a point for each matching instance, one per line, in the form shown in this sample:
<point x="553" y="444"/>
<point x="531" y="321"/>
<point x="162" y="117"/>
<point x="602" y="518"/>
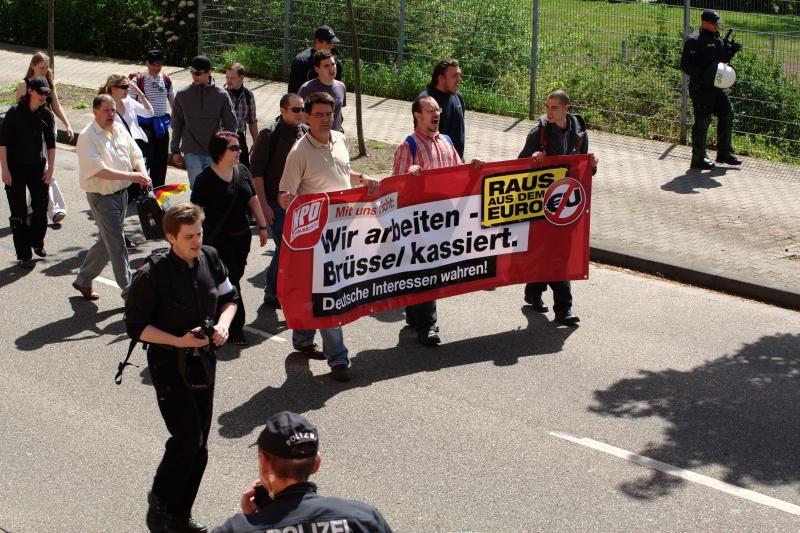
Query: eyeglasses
<point x="124" y="86"/>
<point x="296" y="109"/>
<point x="433" y="109"/>
<point x="235" y="148"/>
<point x="329" y="114"/>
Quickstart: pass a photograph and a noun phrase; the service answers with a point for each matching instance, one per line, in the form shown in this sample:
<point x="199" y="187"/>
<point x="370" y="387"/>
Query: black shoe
<point x="537" y="304"/>
<point x="27" y="264"/>
<point x="340" y="373"/>
<point x="40" y="251"/>
<point x="312" y="351"/>
<point x="430" y="337"/>
<point x="728" y="159"/>
<point x="187" y="525"/>
<point x="129" y="243"/>
<point x="567" y="318"/>
<point x="158" y="518"/>
<point x="703" y="164"/>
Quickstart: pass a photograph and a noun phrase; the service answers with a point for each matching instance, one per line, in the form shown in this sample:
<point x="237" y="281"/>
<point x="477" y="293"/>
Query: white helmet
<point x="725" y="77"/>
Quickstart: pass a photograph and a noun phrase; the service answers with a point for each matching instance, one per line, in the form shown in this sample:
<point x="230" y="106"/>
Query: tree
<point x="362" y="147"/>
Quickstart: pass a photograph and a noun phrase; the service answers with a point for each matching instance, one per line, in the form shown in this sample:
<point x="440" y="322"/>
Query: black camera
<point x="206" y="329"/>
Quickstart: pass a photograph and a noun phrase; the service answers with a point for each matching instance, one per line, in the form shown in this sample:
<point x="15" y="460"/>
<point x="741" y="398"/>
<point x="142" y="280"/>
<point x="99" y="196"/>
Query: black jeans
<point x="421" y="317"/>
<point x="187" y="415"/>
<point x="562" y="294"/>
<point x="27" y="236"/>
<point x="708" y="102"/>
<point x="233" y="250"/>
<point x="157" y="156"/>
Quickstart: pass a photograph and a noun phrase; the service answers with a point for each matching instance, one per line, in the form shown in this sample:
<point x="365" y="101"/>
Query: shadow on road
<point x="84" y="319"/>
<point x="737" y="412"/>
<point x="694" y="179"/>
<point x="303" y="392"/>
<point x="11" y="274"/>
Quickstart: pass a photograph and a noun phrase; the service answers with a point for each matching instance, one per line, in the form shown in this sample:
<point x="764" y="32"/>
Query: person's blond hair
<point x="111" y="82"/>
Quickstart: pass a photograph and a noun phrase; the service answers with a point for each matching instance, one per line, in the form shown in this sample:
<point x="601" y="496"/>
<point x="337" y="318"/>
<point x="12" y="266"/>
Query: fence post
<point x="774" y="43"/>
<point x="402" y="36"/>
<point x="534" y="46"/>
<point x="199" y="27"/>
<point x="684" y="80"/>
<point x="287" y="12"/>
<point x="624" y="50"/>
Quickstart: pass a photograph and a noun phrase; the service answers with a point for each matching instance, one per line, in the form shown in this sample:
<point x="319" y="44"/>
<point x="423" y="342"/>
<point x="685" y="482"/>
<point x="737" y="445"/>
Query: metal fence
<point x="618" y="59"/>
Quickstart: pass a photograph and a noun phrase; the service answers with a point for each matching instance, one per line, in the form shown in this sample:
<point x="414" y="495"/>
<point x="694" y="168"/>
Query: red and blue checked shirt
<point x="433" y="151"/>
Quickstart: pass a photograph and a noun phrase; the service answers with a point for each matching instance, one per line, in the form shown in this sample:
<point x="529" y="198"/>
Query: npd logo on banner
<point x="307" y="222"/>
<point x="564" y="202"/>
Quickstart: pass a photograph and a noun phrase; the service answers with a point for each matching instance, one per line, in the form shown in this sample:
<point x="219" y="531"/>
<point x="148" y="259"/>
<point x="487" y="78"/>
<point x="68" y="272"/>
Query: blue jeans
<point x="195" y="164"/>
<point x="276" y="230"/>
<point x="332" y="343"/>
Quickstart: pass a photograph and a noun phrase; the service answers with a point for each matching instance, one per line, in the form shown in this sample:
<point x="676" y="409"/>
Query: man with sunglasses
<point x="200" y="110"/>
<point x="269" y="157"/>
<point x="320" y="162"/>
<point x="157" y="88"/>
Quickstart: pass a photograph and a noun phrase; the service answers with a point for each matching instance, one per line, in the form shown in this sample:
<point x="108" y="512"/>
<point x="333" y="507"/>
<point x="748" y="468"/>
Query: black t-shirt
<point x="22" y="133"/>
<point x="215" y="195"/>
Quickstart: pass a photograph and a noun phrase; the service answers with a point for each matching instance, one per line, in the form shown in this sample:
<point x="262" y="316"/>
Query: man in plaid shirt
<point x="425" y="149"/>
<point x="244" y="105"/>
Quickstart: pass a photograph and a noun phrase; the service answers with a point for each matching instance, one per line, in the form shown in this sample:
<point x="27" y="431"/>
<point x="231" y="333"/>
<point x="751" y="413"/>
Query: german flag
<point x="162" y="193"/>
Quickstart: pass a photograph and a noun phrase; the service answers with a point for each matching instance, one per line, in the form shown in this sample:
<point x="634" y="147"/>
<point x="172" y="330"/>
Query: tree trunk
<point x="51" y="33"/>
<point x="362" y="147"/>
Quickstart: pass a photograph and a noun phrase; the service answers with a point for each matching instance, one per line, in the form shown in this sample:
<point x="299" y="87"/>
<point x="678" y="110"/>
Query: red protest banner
<point x="449" y="231"/>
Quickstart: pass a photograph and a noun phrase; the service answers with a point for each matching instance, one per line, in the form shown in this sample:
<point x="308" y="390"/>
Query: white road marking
<point x="681" y="473"/>
<point x="267" y="335"/>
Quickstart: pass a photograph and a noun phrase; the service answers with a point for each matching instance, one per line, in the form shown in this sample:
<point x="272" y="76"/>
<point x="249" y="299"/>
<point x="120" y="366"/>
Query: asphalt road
<point x="480" y="434"/>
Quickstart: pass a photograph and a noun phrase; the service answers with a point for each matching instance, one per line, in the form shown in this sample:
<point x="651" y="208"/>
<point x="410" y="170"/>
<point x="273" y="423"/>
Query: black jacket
<point x="303" y="69"/>
<point x="555" y="141"/>
<point x="22" y="133"/>
<point x="300" y="508"/>
<point x="269" y="154"/>
<point x="701" y="50"/>
<point x="169" y="295"/>
<point x="451" y="121"/>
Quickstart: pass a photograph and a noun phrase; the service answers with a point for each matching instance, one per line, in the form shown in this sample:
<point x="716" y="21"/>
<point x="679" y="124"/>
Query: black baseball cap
<point x="325" y="33"/>
<point x="40" y="85"/>
<point x="200" y="63"/>
<point x="709" y="15"/>
<point x="155" y="57"/>
<point x="290" y="436"/>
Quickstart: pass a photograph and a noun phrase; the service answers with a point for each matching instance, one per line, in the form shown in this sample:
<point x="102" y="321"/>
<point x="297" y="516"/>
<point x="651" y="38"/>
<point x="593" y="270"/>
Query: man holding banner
<point x="319" y="162"/>
<point x="425" y="149"/>
<point x="557" y="133"/>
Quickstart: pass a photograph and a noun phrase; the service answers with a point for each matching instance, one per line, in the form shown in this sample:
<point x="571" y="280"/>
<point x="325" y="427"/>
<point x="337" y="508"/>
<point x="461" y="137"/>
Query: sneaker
<point x="312" y="351"/>
<point x="40" y="251"/>
<point x="27" y="264"/>
<point x="340" y="373"/>
<point x="537" y="304"/>
<point x="568" y="318"/>
<point x="58" y="217"/>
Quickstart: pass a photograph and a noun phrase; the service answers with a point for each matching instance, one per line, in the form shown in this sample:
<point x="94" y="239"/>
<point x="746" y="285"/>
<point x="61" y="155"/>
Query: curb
<point x="691" y="276"/>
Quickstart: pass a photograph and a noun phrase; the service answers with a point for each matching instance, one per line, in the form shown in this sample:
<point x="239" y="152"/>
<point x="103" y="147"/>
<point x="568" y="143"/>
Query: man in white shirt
<point x="109" y="160"/>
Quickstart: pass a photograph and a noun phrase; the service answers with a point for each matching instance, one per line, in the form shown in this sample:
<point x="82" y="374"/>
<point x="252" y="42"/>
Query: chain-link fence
<point x="618" y="59"/>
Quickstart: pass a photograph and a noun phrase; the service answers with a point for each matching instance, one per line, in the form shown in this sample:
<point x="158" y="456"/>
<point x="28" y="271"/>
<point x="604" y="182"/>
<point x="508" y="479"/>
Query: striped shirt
<point x="155" y="89"/>
<point x="244" y="105"/>
<point x="433" y="151"/>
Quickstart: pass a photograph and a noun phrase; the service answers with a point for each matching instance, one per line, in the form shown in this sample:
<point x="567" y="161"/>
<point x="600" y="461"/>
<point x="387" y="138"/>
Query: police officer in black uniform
<point x="284" y="500"/>
<point x="557" y="133"/>
<point x="181" y="304"/>
<point x="702" y="52"/>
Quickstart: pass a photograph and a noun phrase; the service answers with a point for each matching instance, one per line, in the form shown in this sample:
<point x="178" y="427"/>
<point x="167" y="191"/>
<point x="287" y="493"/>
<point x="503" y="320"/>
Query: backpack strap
<point x="447" y="138"/>
<point x="167" y="82"/>
<point x="542" y="136"/>
<point x="580" y="127"/>
<point x="124" y="363"/>
<point x="412" y="147"/>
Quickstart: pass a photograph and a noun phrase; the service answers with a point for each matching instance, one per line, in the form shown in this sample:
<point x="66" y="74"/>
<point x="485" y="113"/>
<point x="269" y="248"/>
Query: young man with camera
<point x="181" y="304"/>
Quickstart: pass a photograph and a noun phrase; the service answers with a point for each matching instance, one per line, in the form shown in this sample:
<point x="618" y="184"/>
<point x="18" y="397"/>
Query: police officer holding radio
<point x="181" y="304"/>
<point x="705" y="59"/>
<point x="283" y="500"/>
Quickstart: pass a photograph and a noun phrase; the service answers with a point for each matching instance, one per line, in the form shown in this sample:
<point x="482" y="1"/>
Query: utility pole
<point x="362" y="147"/>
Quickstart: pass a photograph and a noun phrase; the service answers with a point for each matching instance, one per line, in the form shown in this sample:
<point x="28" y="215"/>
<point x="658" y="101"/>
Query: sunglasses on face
<point x="124" y="86"/>
<point x="296" y="109"/>
<point x="234" y="148"/>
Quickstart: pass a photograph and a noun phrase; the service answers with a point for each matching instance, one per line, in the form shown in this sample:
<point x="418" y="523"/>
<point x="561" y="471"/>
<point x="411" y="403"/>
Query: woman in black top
<point x="225" y="192"/>
<point x="25" y="165"/>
